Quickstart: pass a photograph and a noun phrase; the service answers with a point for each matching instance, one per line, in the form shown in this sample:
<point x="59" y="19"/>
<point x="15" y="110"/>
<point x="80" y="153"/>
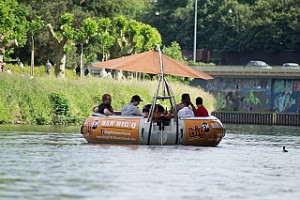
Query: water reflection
<point x="57" y="163"/>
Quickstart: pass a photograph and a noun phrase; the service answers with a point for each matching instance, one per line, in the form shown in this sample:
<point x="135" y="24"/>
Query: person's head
<point x="185" y="97"/>
<point x="199" y="101"/>
<point x="186" y="102"/>
<point x="106" y="99"/>
<point x="135" y="100"/>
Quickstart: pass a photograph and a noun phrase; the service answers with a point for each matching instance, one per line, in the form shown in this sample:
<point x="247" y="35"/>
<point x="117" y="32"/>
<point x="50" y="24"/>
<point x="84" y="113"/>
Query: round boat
<point x="198" y="131"/>
<point x="158" y="128"/>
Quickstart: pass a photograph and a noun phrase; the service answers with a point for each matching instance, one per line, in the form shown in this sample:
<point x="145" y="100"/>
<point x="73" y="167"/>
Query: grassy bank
<point x="48" y="100"/>
<point x="39" y="71"/>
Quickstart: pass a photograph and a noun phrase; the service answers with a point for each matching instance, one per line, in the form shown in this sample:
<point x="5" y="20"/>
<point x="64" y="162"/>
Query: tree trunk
<point x="81" y="60"/>
<point x="60" y="64"/>
<point x="60" y="55"/>
<point x="6" y="45"/>
<point x="32" y="57"/>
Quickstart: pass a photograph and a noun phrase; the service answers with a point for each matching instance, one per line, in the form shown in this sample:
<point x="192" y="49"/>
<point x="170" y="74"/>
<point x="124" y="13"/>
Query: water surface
<point x="46" y="162"/>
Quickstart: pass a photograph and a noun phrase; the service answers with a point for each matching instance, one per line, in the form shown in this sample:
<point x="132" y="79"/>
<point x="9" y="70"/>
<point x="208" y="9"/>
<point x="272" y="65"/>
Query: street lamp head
<point x="229" y="11"/>
<point x="156" y="13"/>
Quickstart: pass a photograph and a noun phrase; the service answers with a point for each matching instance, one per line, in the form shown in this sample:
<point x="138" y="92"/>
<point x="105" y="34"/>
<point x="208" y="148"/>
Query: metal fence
<point x="259" y="118"/>
<point x="225" y="69"/>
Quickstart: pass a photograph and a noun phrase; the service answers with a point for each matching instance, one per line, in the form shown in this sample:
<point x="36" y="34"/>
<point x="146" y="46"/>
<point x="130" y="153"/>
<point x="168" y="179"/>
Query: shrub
<point x="61" y="105"/>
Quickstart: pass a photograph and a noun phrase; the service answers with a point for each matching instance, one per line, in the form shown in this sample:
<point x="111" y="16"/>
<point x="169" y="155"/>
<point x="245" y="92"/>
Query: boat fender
<point x="81" y="130"/>
<point x="142" y="135"/>
<point x="181" y="131"/>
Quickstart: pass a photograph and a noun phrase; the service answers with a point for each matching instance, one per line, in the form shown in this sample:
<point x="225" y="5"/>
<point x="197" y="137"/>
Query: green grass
<point x="39" y="71"/>
<point x="49" y="100"/>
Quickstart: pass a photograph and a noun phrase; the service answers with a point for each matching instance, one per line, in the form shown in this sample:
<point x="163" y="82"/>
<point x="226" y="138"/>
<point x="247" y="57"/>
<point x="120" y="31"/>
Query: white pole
<point x="195" y="32"/>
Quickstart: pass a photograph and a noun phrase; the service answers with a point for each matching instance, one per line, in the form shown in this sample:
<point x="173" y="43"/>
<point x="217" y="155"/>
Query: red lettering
<point x="196" y="132"/>
<point x="191" y="132"/>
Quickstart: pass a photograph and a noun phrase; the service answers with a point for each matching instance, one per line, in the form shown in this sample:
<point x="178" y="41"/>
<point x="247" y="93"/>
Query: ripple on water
<point x="248" y="164"/>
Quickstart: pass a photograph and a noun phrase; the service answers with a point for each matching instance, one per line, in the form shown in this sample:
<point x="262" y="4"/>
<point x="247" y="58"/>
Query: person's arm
<point x="137" y="112"/>
<point x="107" y="112"/>
<point x="194" y="109"/>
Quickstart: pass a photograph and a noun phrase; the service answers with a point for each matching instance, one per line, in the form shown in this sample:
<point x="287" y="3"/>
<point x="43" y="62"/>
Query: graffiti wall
<point x="254" y="94"/>
<point x="242" y="94"/>
<point x="285" y="95"/>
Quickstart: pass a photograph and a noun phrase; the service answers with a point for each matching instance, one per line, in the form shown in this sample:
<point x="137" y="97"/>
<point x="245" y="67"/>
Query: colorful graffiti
<point x="238" y="84"/>
<point x="255" y="94"/>
<point x="286" y="95"/>
<point x="236" y="92"/>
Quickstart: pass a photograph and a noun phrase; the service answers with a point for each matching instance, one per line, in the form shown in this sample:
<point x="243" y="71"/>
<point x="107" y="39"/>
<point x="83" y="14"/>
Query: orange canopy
<point x="148" y="62"/>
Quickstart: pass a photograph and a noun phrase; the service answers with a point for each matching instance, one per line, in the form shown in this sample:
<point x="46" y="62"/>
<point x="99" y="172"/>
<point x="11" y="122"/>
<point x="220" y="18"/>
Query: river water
<point x="56" y="163"/>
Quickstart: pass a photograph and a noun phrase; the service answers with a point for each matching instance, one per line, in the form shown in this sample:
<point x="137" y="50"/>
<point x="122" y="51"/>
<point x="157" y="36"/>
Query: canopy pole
<point x="162" y="81"/>
<point x="160" y="60"/>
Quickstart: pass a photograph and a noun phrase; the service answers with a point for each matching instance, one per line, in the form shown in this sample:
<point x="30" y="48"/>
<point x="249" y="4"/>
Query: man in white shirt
<point x="186" y="112"/>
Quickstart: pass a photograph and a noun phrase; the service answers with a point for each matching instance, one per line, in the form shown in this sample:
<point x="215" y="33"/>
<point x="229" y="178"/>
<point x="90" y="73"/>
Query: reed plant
<point x="50" y="100"/>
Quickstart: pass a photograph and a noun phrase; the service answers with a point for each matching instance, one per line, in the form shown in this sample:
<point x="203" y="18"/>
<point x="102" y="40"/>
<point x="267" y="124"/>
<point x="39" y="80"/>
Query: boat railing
<point x="116" y="116"/>
<point x="211" y="117"/>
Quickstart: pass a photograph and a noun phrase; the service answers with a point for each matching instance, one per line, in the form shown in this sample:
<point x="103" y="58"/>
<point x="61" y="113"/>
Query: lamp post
<point x="195" y="32"/>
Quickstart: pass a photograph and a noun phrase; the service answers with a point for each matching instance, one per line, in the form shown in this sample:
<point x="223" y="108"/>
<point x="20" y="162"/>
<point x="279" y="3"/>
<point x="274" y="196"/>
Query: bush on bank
<point x="49" y="100"/>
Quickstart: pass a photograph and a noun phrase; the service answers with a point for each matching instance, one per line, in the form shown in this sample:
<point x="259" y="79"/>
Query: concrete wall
<point x="255" y="94"/>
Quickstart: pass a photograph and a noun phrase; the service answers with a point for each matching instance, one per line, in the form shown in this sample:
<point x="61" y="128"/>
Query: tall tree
<point x="113" y="8"/>
<point x="83" y="35"/>
<point x="228" y="27"/>
<point x="35" y="25"/>
<point x="13" y="26"/>
<point x="50" y="12"/>
<point x="276" y="25"/>
<point x="62" y="38"/>
<point x="251" y="2"/>
<point x="132" y="37"/>
<point x="104" y="37"/>
<point x="166" y="17"/>
<point x="174" y="51"/>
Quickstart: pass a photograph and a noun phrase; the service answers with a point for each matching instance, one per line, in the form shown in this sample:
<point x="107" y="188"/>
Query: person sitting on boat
<point x="201" y="110"/>
<point x="185" y="98"/>
<point x="131" y="109"/>
<point x="105" y="107"/>
<point x="186" y="112"/>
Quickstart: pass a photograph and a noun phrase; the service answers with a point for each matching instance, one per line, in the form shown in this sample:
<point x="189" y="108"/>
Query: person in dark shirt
<point x="78" y="70"/>
<point x="105" y="107"/>
<point x="201" y="110"/>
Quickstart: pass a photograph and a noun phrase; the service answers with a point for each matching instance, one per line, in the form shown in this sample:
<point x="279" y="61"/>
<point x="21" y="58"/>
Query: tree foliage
<point x="52" y="10"/>
<point x="174" y="51"/>
<point x="83" y="35"/>
<point x="13" y="26"/>
<point x="132" y="26"/>
<point x="63" y="35"/>
<point x="229" y="25"/>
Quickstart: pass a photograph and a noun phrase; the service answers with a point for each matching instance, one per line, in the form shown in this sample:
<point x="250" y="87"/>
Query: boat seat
<point x="117" y="112"/>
